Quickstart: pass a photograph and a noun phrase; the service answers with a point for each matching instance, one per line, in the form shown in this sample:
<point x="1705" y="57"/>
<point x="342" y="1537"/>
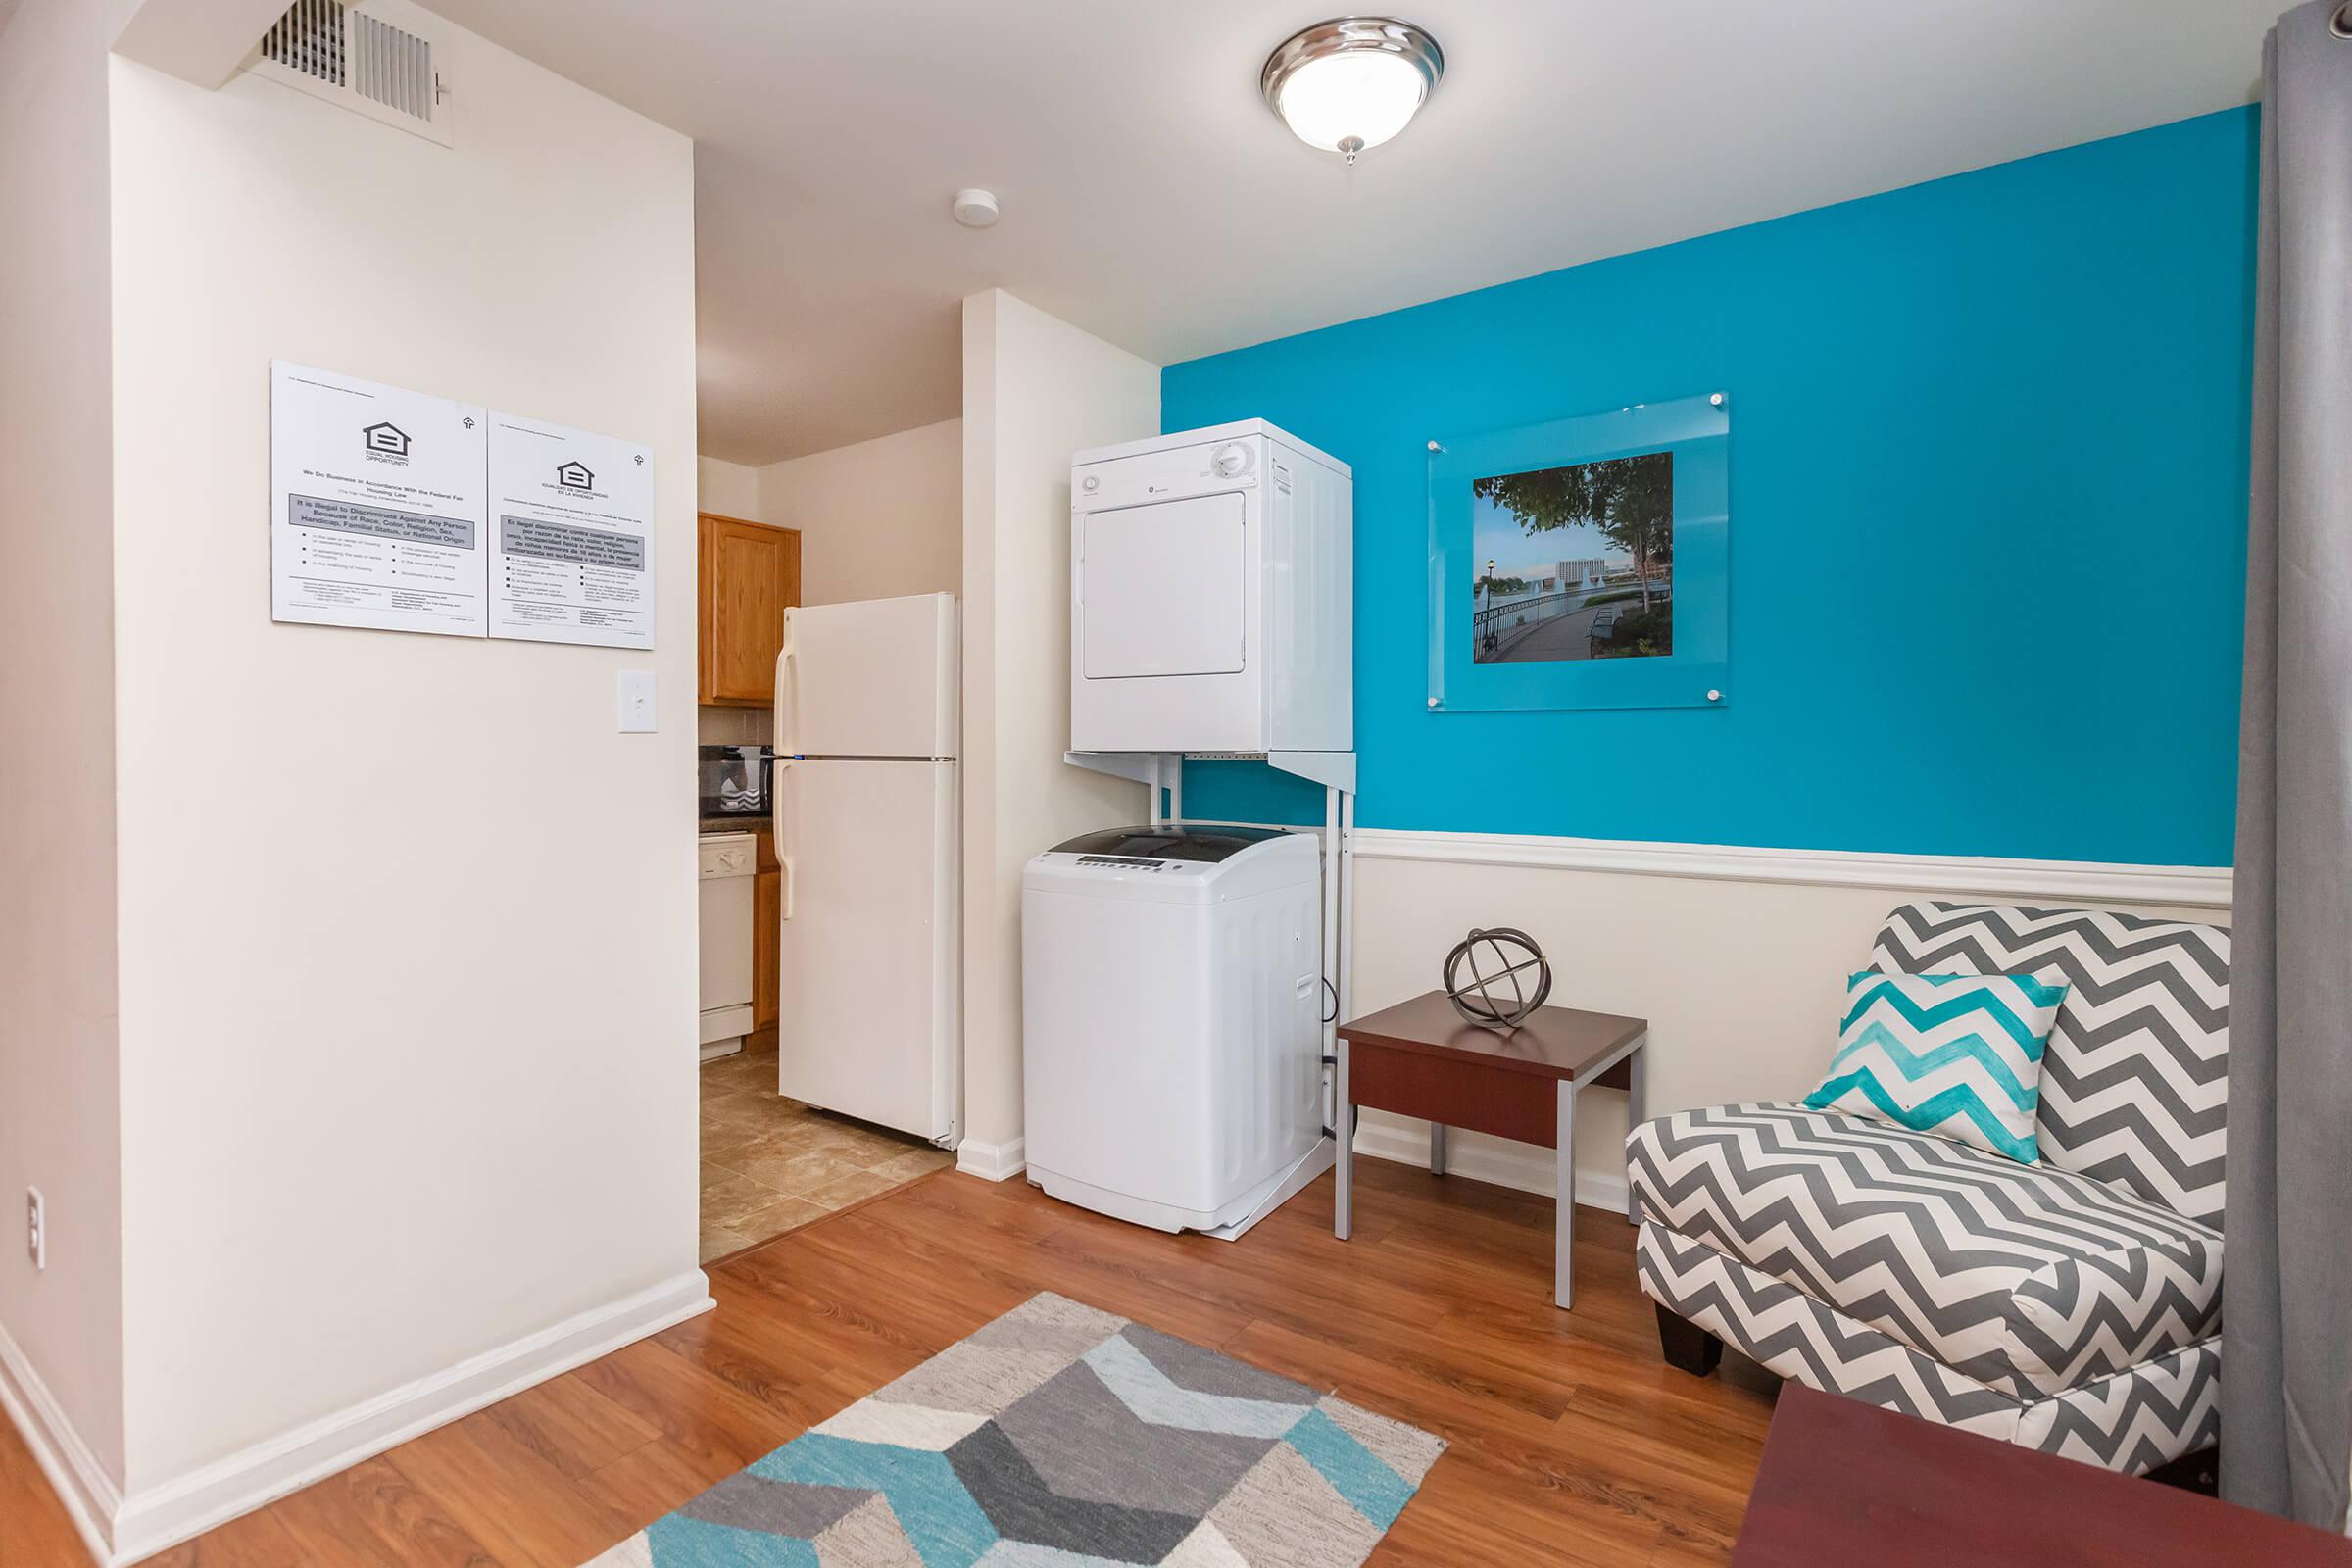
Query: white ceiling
<point x="1151" y="198"/>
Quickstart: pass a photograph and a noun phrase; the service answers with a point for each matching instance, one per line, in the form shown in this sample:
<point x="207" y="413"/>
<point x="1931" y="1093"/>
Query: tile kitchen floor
<point x="770" y="1164"/>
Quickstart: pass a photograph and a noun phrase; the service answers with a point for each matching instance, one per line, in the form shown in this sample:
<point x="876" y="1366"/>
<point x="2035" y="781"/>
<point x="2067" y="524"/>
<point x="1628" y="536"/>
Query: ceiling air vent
<point x="342" y="54"/>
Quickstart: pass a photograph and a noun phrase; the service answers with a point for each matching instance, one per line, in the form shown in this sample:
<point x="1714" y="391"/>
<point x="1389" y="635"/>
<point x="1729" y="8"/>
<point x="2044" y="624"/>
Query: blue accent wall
<point x="1989" y="501"/>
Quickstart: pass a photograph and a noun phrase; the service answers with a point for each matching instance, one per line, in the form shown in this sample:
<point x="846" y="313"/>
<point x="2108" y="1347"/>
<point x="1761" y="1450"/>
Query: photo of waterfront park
<point x="1574" y="562"/>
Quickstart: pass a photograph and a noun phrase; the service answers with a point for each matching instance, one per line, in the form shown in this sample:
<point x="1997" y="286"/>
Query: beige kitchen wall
<point x="877" y="520"/>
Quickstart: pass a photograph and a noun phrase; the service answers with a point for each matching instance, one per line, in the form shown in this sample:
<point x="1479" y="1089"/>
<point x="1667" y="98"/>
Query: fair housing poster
<point x="377" y="505"/>
<point x="571" y="548"/>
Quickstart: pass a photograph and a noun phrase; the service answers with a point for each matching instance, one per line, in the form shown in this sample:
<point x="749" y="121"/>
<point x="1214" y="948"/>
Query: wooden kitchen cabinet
<point x="748" y="574"/>
<point x="767" y="912"/>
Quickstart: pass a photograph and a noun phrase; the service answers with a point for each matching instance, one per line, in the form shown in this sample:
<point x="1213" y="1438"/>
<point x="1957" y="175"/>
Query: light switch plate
<point x="633" y="692"/>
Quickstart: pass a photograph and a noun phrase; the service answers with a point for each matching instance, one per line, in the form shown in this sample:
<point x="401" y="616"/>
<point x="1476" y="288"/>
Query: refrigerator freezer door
<point x="870" y="942"/>
<point x="874" y="678"/>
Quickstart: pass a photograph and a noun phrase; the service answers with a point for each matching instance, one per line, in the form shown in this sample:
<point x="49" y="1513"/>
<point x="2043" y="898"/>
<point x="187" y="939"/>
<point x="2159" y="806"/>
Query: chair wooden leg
<point x="2198" y="1471"/>
<point x="1688" y="1346"/>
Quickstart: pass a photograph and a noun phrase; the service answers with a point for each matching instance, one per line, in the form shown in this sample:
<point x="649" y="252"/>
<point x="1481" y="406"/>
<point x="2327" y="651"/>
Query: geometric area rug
<point x="1061" y="1437"/>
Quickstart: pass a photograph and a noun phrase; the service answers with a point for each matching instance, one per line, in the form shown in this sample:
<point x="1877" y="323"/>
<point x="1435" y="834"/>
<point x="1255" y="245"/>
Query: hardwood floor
<point x="1571" y="1442"/>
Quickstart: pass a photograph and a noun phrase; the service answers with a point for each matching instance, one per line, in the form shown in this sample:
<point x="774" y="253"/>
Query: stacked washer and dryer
<point x="1179" y="979"/>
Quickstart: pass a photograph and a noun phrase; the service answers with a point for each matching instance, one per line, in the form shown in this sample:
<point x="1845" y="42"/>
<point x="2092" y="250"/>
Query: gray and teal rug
<point x="1061" y="1437"/>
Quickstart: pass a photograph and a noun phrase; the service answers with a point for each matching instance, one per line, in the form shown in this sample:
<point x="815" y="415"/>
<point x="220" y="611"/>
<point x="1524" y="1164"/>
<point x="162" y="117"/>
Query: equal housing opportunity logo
<point x="575" y="477"/>
<point x="385" y="442"/>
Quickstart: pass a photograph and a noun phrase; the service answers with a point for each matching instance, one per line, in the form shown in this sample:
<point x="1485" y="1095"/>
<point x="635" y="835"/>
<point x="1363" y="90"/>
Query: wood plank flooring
<point x="1570" y="1442"/>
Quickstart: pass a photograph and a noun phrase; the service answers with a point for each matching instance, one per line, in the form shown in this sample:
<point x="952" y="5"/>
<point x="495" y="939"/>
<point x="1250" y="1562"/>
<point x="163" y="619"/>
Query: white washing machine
<point x="1172" y="1002"/>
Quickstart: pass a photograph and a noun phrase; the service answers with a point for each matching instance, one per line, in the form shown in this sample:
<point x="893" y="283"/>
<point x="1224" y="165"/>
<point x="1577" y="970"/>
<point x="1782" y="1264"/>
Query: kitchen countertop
<point x="735" y="825"/>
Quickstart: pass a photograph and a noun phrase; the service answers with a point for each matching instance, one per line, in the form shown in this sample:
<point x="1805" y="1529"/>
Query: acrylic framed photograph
<point x="1582" y="563"/>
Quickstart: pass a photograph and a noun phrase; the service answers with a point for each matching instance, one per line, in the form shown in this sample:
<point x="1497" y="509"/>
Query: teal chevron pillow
<point x="1954" y="1054"/>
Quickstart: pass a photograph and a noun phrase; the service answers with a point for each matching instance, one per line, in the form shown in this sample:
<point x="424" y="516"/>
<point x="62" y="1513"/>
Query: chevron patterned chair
<point x="2072" y="1305"/>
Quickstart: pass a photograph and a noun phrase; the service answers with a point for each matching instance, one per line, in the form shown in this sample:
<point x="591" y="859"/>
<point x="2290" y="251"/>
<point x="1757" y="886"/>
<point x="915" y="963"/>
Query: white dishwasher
<point x="728" y="863"/>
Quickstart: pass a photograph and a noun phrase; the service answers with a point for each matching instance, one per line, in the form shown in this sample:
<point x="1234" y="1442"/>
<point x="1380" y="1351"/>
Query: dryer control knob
<point x="1232" y="460"/>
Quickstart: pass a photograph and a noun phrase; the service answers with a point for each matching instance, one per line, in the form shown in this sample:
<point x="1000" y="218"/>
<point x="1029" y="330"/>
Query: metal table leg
<point x="1636" y="1112"/>
<point x="1342" y="1128"/>
<point x="1563" y="1248"/>
<point x="1436" y="1149"/>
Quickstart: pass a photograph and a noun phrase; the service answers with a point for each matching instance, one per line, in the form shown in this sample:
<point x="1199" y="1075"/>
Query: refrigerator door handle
<point x="780" y="763"/>
<point x="779" y="767"/>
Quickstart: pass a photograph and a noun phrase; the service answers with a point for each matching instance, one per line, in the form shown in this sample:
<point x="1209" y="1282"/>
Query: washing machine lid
<point x="1204" y="846"/>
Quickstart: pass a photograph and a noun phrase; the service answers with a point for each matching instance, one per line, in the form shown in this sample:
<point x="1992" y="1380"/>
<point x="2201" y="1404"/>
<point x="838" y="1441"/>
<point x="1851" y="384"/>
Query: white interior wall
<point x="1035" y="390"/>
<point x="199" y="41"/>
<point x="879" y="518"/>
<point x="731" y="489"/>
<point x="61" y="1330"/>
<point x="408" y="972"/>
<point x="1742" y="982"/>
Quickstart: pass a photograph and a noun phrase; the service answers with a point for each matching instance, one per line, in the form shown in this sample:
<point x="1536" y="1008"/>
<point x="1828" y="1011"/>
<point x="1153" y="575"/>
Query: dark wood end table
<point x="1422" y="1058"/>
<point x="1843" y="1481"/>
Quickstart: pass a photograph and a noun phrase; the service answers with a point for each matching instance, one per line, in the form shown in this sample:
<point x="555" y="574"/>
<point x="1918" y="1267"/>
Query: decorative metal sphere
<point x="1492" y="960"/>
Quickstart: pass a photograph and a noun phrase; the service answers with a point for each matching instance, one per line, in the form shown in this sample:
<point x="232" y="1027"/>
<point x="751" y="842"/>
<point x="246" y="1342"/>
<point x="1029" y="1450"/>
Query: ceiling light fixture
<point x="1352" y="82"/>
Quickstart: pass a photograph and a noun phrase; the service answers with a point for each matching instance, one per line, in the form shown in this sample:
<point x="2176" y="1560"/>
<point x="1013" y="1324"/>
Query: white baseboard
<point x="1521" y="1166"/>
<point x="121" y="1530"/>
<point x="994" y="1162"/>
<point x="89" y="1495"/>
<point x="2061" y="881"/>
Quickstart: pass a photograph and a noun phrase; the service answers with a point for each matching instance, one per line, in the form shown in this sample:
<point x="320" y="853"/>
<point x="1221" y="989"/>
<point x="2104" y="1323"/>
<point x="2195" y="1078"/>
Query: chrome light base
<point x="1349" y="35"/>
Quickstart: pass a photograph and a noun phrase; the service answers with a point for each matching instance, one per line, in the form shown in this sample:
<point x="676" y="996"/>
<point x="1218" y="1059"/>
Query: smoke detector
<point x="976" y="208"/>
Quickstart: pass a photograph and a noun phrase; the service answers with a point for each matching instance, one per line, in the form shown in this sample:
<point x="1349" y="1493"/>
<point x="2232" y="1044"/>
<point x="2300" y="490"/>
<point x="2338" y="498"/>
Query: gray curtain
<point x="2286" y="1333"/>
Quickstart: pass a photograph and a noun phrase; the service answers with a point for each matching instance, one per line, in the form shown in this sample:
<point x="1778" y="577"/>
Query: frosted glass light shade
<point x="1353" y="83"/>
<point x="1369" y="97"/>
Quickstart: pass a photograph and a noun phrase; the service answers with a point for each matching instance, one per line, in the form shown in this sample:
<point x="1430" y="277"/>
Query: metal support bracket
<point x="1138" y="767"/>
<point x="1334" y="770"/>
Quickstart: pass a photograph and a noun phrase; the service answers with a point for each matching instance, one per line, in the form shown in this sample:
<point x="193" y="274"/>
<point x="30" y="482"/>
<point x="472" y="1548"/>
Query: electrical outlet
<point x="36" y="1228"/>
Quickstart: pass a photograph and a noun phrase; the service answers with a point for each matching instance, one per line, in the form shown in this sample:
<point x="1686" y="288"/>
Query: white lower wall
<point x="1741" y="977"/>
<point x="408" y="929"/>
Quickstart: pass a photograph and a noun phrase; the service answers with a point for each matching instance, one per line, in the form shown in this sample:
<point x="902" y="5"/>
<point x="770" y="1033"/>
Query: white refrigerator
<point x="865" y="809"/>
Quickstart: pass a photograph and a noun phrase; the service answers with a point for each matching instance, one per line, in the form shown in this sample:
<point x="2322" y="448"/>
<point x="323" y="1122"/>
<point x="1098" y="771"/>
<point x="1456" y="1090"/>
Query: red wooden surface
<point x="1844" y="1482"/>
<point x="1554" y="1043"/>
<point x="1458" y="1091"/>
